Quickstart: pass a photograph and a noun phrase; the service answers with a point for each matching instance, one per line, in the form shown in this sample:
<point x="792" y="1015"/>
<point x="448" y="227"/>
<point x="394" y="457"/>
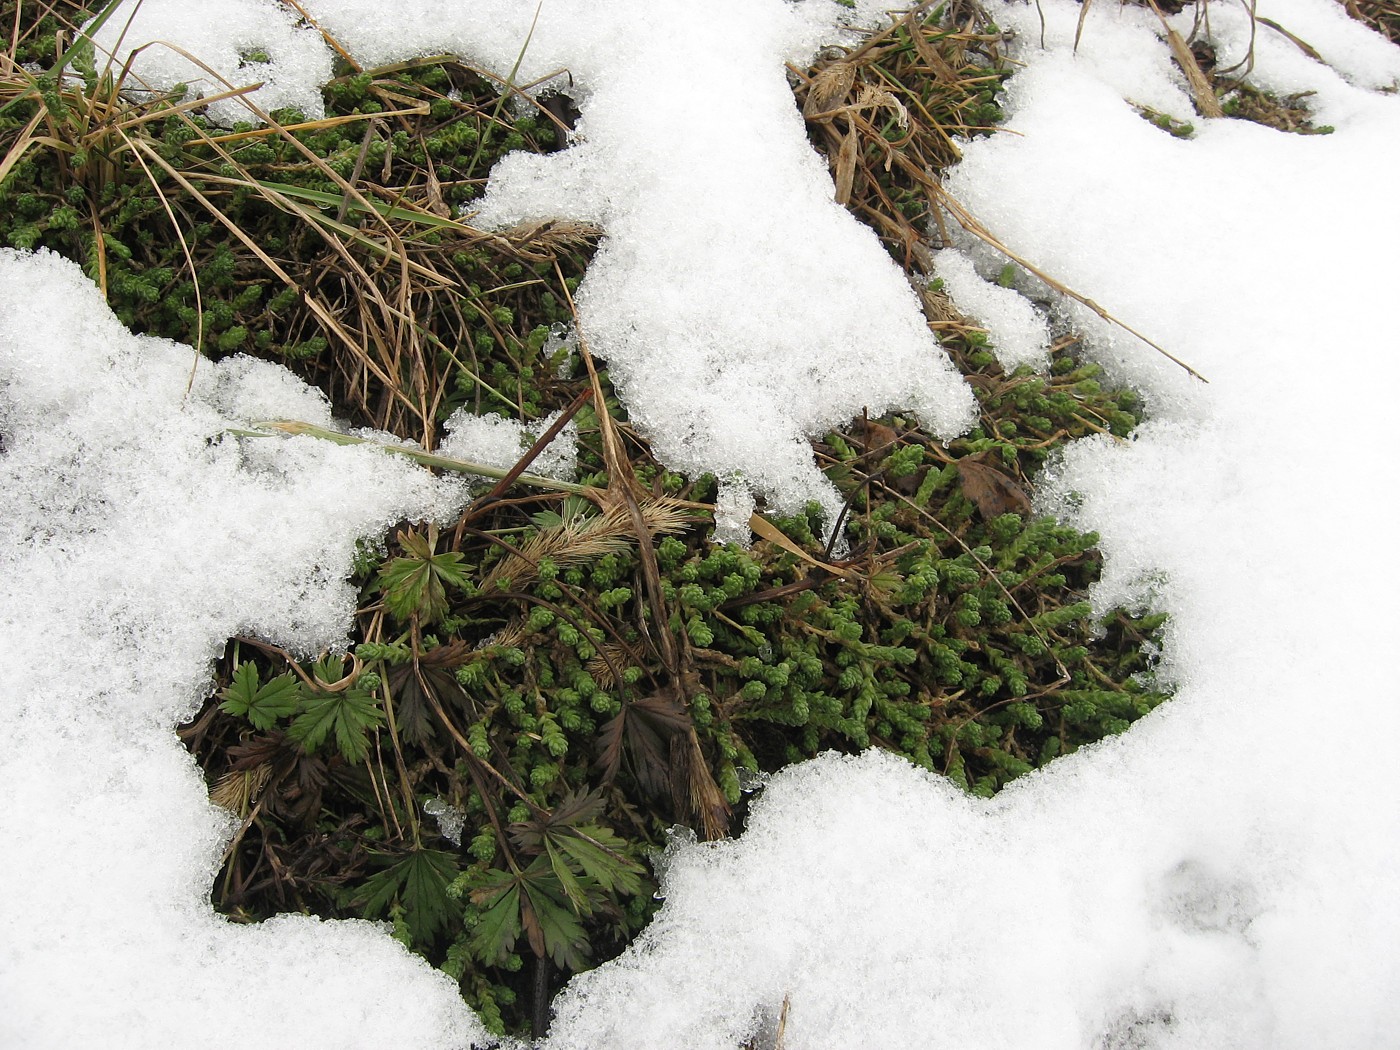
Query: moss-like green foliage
<point x="518" y="668"/>
<point x="151" y="199"/>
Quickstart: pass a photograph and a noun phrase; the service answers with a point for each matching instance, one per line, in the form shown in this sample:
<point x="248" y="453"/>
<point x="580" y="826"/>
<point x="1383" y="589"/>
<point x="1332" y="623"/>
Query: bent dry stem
<point x="427" y="459"/>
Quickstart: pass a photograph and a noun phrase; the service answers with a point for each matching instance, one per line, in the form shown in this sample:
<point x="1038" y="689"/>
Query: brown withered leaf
<point x="437" y="203"/>
<point x="828" y="89"/>
<point x="449" y="655"/>
<point x="993" y="491"/>
<point x="845" y="173"/>
<point x="414" y="691"/>
<point x="875" y="435"/>
<point x="644" y="729"/>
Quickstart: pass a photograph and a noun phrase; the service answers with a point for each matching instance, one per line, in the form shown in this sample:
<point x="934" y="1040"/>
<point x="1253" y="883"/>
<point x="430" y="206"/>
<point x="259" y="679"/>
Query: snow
<point x="1220" y="876"/>
<point x="499" y="443"/>
<point x="1018" y="332"/>
<point x="213" y="48"/>
<point x="730" y="332"/>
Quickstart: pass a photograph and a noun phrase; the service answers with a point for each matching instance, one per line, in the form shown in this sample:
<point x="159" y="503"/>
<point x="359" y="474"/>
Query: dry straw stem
<point x="1202" y="93"/>
<point x="696" y="791"/>
<point x="1381" y="15"/>
<point x="894" y="108"/>
<point x="968" y="222"/>
<point x="268" y="428"/>
<point x="378" y="295"/>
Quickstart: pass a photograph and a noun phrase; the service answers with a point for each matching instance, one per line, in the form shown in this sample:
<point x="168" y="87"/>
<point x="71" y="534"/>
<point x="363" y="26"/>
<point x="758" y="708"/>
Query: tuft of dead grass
<point x="1381" y="15"/>
<point x="392" y="299"/>
<point x="890" y="113"/>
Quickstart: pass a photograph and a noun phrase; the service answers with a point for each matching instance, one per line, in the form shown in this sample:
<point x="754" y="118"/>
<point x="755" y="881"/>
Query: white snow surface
<point x="496" y="442"/>
<point x="1223" y="875"/>
<point x="213" y="48"/>
<point x="741" y="311"/>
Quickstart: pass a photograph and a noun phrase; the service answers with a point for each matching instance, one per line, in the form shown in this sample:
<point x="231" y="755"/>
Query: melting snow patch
<point x="739" y="309"/>
<point x="1017" y="330"/>
<point x="139" y="535"/>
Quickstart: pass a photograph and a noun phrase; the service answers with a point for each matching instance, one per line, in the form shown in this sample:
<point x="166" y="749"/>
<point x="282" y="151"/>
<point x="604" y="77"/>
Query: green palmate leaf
<point x="349" y="714"/>
<point x="549" y="920"/>
<point x="494" y="937"/>
<point x="329" y="669"/>
<point x="568" y="881"/>
<point x="261" y="705"/>
<point x="536" y="903"/>
<point x="414" y="585"/>
<point x="418" y="882"/>
<point x="583" y="856"/>
<point x="597" y="851"/>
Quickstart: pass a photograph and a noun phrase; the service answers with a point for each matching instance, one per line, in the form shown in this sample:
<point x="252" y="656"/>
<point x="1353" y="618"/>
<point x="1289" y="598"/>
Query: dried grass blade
<point x="1300" y="43"/>
<point x="1201" y="91"/>
<point x="25" y="141"/>
<point x="427" y="459"/>
<point x="765" y="529"/>
<point x="969" y="223"/>
<point x="189" y="258"/>
<point x="845" y="173"/>
<point x="367" y="206"/>
<point x="1079" y="25"/>
<point x="319" y="309"/>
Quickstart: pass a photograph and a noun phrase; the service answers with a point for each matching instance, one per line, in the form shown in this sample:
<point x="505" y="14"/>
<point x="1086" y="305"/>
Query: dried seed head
<point x="828" y="89"/>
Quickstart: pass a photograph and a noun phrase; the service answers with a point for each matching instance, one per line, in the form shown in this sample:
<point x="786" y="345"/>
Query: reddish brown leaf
<point x="875" y="435"/>
<point x="994" y="492"/>
<point x="450" y="654"/>
<point x="644" y="728"/>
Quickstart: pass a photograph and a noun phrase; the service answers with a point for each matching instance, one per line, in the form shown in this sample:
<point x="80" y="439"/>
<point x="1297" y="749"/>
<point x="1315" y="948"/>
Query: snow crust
<point x="1220" y="876"/>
